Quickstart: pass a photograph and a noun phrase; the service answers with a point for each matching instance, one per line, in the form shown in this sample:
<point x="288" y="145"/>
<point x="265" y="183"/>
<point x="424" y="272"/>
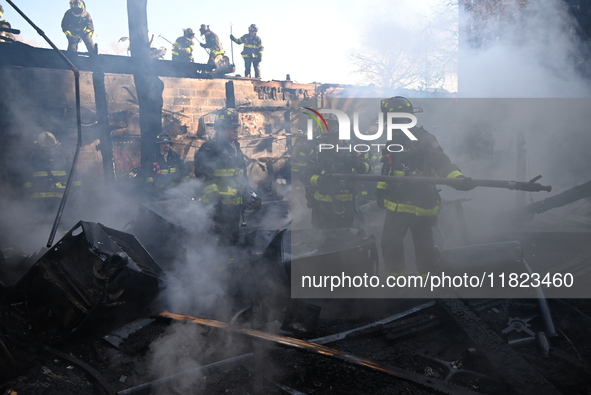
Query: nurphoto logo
<point x="392" y="123"/>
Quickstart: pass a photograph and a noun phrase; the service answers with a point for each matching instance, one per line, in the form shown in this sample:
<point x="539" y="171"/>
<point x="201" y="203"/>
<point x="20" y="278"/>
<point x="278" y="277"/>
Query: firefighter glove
<point x="232" y="37"/>
<point x="467" y="183"/>
<point x="254" y="201"/>
<point x="203" y="45"/>
<point x="255" y="204"/>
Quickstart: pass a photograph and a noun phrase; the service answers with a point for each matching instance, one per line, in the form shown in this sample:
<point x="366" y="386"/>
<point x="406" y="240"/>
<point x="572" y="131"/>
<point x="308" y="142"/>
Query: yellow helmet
<point x="226" y="118"/>
<point x="397" y="104"/>
<point x="46" y="140"/>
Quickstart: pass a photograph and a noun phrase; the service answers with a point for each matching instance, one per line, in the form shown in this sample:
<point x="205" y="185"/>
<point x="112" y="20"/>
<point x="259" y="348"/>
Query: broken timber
<point x="303" y="345"/>
<point x="570" y="195"/>
<point x="240" y="359"/>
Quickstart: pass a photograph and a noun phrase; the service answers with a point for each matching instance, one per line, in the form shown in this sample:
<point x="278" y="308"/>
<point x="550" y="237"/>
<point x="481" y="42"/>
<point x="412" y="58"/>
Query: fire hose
<point x="529" y="186"/>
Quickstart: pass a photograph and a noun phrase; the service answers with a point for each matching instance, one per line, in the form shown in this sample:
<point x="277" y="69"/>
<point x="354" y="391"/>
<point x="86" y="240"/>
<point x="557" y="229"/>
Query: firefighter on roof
<point x="253" y="50"/>
<point x="182" y="49"/>
<point x="4" y="24"/>
<point x="77" y="25"/>
<point x="213" y="43"/>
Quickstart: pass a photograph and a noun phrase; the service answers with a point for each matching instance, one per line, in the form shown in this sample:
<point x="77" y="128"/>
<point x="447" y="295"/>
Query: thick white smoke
<point x="529" y="50"/>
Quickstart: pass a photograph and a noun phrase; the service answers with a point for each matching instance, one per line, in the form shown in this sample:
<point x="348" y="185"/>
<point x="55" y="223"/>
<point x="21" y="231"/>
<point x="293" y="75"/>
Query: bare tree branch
<point x="422" y="57"/>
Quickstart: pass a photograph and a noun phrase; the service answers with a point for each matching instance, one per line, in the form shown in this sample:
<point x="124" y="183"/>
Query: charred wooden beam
<point x="511" y="366"/>
<point x="377" y="324"/>
<point x="23" y="55"/>
<point x="569" y="196"/>
<point x="102" y="111"/>
<point x="149" y="87"/>
<point x="427" y="382"/>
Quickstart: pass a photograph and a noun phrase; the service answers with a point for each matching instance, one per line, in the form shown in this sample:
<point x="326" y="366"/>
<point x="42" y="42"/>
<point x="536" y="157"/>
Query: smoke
<point x="175" y="351"/>
<point x="493" y="48"/>
<point x="524" y="51"/>
<point x="527" y="55"/>
<point x="207" y="280"/>
<point x="182" y="347"/>
<point x="529" y="50"/>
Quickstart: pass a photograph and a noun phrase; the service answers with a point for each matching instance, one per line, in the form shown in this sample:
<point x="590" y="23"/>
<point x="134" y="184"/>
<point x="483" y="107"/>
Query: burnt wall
<point x="38" y="99"/>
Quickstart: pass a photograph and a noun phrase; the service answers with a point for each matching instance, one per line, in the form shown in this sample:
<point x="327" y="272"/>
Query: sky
<point x="310" y="40"/>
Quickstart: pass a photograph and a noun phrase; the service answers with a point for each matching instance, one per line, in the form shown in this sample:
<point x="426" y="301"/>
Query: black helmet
<point x="204" y="28"/>
<point x="77" y="4"/>
<point x="163" y="138"/>
<point x="397" y="104"/>
<point x="189" y="32"/>
<point x="253" y="28"/>
<point x="226" y="118"/>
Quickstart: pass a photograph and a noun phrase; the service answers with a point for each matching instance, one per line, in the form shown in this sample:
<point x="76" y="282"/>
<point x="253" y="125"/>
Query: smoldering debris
<point x="416" y="341"/>
<point x="94" y="276"/>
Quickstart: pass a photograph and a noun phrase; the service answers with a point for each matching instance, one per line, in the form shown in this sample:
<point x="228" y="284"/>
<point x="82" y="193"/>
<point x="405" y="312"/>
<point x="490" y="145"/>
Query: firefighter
<point x="301" y="154"/>
<point x="366" y="189"/>
<point x="253" y="50"/>
<point x="5" y="37"/>
<point x="220" y="165"/>
<point x="77" y="24"/>
<point x="182" y="49"/>
<point x="166" y="169"/>
<point x="4" y="24"/>
<point x="332" y="201"/>
<point x="409" y="206"/>
<point x="47" y="174"/>
<point x="213" y="43"/>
